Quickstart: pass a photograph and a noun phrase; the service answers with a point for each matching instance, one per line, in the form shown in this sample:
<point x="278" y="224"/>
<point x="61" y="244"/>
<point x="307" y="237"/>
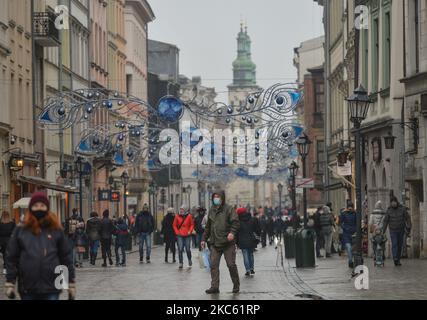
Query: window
<point x="320" y="103"/>
<point x="365" y="57"/>
<point x="387" y="50"/>
<point x="320" y="152"/>
<point x="417" y="36"/>
<point x="375" y="54"/>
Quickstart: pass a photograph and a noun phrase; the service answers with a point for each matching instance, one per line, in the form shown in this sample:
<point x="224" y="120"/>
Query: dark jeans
<point x="106" y="248"/>
<point x="397" y="244"/>
<point x="93" y="248"/>
<point x="3" y="246"/>
<point x="120" y="249"/>
<point x="319" y="242"/>
<point x="184" y="242"/>
<point x="248" y="259"/>
<point x="170" y="244"/>
<point x="40" y="296"/>
<point x="144" y="238"/>
<point x="230" y="258"/>
<point x="263" y="239"/>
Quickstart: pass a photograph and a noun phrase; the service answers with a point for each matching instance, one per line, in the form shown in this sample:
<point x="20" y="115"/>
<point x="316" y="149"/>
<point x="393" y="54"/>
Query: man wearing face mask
<point x="397" y="219"/>
<point x="34" y="251"/>
<point x="220" y="233"/>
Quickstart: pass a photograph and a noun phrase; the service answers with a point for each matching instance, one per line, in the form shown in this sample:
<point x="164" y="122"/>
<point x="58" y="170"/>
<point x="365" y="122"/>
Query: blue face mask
<point x="217" y="201"/>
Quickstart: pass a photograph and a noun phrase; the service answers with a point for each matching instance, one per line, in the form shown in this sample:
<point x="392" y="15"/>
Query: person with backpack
<point x="199" y="227"/>
<point x="247" y="239"/>
<point x="183" y="226"/>
<point x="121" y="232"/>
<point x="169" y="234"/>
<point x="144" y="227"/>
<point x="70" y="230"/>
<point x="93" y="231"/>
<point x="7" y="225"/>
<point x="81" y="243"/>
<point x="348" y="222"/>
<point x="398" y="220"/>
<point x="327" y="225"/>
<point x="107" y="230"/>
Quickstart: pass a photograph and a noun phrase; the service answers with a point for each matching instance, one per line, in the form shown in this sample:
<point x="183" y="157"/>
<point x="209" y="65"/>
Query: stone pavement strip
<point x="331" y="279"/>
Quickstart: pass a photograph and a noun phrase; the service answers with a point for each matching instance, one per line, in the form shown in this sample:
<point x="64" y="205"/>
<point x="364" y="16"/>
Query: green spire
<point x="244" y="70"/>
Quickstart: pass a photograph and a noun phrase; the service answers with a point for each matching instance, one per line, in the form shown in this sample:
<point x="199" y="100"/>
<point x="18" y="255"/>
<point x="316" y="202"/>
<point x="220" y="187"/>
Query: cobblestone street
<point x="330" y="280"/>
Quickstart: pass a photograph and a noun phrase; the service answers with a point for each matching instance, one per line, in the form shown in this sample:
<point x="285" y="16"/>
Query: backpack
<point x="72" y="226"/>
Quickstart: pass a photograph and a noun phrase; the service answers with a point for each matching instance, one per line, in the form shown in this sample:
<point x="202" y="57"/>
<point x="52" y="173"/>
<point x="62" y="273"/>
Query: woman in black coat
<point x="169" y="234"/>
<point x="36" y="250"/>
<point x="7" y="225"/>
<point x="248" y="238"/>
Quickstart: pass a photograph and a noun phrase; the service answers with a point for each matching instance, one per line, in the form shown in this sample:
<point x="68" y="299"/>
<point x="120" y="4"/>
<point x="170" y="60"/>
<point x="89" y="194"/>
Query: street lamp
<point x="280" y="188"/>
<point x="125" y="182"/>
<point x="293" y="170"/>
<point x="303" y="144"/>
<point x="80" y="170"/>
<point x="358" y="104"/>
<point x="389" y="141"/>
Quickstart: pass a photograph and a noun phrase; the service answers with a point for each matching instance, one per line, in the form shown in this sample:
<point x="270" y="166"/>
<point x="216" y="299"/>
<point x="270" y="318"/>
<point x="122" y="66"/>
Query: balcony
<point x="45" y="32"/>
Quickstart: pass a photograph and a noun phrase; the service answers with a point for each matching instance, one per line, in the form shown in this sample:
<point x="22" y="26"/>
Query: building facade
<point x="414" y="132"/>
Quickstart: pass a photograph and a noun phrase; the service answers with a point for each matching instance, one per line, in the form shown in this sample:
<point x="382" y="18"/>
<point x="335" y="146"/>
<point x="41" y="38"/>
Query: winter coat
<point x="71" y="226"/>
<point x="107" y="228"/>
<point x="376" y="219"/>
<point x="198" y="224"/>
<point x="348" y="223"/>
<point x="80" y="236"/>
<point x="397" y="219"/>
<point x="183" y="225"/>
<point x="270" y="226"/>
<point x="167" y="227"/>
<point x="6" y="230"/>
<point x="222" y="221"/>
<point x="93" y="228"/>
<point x="121" y="232"/>
<point x="326" y="221"/>
<point x="144" y="223"/>
<point x="33" y="259"/>
<point x="249" y="227"/>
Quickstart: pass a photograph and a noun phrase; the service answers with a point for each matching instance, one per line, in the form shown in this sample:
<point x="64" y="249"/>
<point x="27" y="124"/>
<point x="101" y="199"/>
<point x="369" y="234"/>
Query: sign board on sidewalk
<point x="132" y="201"/>
<point x="305" y="183"/>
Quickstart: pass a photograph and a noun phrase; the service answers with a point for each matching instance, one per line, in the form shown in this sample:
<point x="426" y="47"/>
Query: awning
<point x="22" y="203"/>
<point x="47" y="184"/>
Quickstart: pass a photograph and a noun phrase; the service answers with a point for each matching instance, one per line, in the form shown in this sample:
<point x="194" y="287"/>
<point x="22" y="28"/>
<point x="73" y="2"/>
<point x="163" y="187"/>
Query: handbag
<point x="206" y="256"/>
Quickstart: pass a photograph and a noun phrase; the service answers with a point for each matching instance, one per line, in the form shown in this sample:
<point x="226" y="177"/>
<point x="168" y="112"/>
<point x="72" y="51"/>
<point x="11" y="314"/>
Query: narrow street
<point x="329" y="280"/>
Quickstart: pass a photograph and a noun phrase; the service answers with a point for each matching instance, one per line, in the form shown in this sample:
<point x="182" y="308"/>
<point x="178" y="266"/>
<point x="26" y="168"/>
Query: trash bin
<point x="289" y="243"/>
<point x="304" y="249"/>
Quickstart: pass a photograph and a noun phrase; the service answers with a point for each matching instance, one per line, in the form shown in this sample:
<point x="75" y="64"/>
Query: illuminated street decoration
<point x="135" y="120"/>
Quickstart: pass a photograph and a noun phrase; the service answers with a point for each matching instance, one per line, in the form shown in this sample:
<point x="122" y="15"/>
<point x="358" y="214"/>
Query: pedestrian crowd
<point x="34" y="249"/>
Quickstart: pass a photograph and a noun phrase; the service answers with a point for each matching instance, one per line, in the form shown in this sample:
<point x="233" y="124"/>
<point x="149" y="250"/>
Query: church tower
<point x="244" y="70"/>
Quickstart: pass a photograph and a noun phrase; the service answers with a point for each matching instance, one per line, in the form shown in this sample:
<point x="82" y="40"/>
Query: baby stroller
<point x="379" y="240"/>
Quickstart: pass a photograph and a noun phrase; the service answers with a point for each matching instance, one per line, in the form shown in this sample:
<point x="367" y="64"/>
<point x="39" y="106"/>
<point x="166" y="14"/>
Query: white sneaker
<point x="4" y="271"/>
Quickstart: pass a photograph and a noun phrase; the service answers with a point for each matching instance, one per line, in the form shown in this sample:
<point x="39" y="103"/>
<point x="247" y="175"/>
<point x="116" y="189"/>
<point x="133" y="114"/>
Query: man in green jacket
<point x="220" y="234"/>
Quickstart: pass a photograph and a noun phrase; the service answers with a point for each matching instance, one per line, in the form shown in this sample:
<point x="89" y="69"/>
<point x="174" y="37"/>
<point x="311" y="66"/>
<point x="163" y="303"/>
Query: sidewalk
<point x="331" y="279"/>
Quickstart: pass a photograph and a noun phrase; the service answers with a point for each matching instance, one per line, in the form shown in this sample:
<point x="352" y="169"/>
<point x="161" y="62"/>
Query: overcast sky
<point x="206" y="31"/>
